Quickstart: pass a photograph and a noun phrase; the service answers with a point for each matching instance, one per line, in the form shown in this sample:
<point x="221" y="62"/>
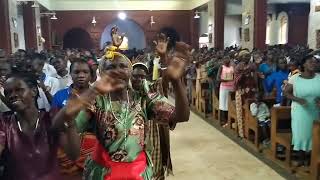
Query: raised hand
<point x="112" y="80"/>
<point x="161" y="44"/>
<point x="178" y="62"/>
<point x="116" y="38"/>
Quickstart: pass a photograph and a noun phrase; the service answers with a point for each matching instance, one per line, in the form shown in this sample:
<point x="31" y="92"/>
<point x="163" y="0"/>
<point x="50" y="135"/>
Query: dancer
<point x="119" y="118"/>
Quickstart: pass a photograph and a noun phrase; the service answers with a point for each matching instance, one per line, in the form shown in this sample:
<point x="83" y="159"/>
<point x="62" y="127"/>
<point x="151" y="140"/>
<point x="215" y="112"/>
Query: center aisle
<point x="201" y="152"/>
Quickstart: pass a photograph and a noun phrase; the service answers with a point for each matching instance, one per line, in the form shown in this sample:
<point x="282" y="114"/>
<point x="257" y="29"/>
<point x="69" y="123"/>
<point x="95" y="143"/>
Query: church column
<point x="219" y="12"/>
<point x="30" y="30"/>
<point x="260" y="24"/>
<point x="254" y="19"/>
<point x="46" y="31"/>
<point x="5" y="41"/>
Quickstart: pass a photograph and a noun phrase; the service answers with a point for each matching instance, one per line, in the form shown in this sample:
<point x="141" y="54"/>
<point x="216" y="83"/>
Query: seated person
<point x="260" y="110"/>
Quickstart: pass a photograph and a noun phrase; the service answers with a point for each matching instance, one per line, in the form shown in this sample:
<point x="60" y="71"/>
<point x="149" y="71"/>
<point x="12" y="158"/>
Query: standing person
<point x="60" y="64"/>
<point x="277" y="80"/>
<point x="191" y="77"/>
<point x="80" y="72"/>
<point x="5" y="72"/>
<point x="141" y="86"/>
<point x="18" y="63"/>
<point x="245" y="85"/>
<point x="294" y="69"/>
<point x="305" y="95"/>
<point x="226" y="78"/>
<point x="266" y="68"/>
<point x="119" y="118"/>
<point x="48" y="69"/>
<point x="26" y="135"/>
<point x="49" y="85"/>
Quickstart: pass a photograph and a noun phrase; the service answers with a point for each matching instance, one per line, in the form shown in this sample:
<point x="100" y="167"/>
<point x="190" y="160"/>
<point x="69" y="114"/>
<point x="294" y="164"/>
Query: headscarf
<point x="111" y="54"/>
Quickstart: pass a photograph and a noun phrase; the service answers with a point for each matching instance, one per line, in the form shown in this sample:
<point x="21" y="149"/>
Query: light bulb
<point x="122" y="15"/>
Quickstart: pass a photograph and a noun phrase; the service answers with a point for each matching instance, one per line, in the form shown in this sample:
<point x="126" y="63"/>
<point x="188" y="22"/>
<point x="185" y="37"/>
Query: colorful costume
<point x="122" y="151"/>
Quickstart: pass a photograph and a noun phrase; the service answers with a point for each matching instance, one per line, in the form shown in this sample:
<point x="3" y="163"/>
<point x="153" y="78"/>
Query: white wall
<point x="232" y="24"/>
<point x="203" y="22"/>
<point x="38" y="28"/>
<point x="20" y="27"/>
<point x="13" y="14"/>
<point x="314" y="25"/>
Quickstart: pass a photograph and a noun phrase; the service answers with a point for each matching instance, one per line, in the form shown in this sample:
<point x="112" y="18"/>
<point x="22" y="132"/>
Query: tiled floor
<point x="200" y="152"/>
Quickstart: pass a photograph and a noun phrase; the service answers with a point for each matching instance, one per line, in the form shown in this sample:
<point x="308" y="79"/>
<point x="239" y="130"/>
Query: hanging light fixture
<point x="152" y="21"/>
<point x="54" y="17"/>
<point x="197" y="16"/>
<point x="94" y="22"/>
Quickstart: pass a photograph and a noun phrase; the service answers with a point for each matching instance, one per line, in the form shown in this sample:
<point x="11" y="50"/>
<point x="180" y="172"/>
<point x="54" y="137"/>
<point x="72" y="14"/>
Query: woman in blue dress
<point x="305" y="95"/>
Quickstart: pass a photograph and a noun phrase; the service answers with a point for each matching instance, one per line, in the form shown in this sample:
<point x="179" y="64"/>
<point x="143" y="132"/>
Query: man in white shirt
<point x="48" y="86"/>
<point x="49" y="70"/>
<point x="60" y="64"/>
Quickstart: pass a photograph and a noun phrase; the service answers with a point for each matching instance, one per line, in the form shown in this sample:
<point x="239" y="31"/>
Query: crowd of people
<point x="105" y="115"/>
<point x="290" y="75"/>
<point x="72" y="113"/>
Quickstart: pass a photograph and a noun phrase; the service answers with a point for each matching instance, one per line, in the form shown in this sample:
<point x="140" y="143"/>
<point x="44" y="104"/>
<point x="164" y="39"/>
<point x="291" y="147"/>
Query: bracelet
<point x="68" y="125"/>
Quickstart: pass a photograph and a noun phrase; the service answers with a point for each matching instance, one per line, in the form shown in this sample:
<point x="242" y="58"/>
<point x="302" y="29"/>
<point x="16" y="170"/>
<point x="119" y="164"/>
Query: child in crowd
<point x="260" y="110"/>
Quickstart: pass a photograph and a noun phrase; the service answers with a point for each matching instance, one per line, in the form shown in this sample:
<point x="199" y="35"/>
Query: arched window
<point x="283" y="33"/>
<point x="268" y="30"/>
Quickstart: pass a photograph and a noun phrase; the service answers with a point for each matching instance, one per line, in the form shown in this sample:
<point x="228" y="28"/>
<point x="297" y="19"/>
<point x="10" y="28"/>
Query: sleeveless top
<point x="227" y="73"/>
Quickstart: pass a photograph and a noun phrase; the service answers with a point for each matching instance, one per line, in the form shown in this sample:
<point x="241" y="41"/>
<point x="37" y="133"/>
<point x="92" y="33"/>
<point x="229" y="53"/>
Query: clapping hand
<point x="116" y="38"/>
<point x="161" y="44"/>
<point x="178" y="61"/>
<point x="111" y="80"/>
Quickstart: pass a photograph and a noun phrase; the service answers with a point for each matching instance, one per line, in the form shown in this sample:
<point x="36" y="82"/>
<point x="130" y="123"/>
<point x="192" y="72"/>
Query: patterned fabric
<point x="120" y="129"/>
<point x="156" y="151"/>
<point x="246" y="87"/>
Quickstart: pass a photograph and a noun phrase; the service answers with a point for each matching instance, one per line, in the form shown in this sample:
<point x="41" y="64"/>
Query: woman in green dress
<point x="119" y="117"/>
<point x="305" y="95"/>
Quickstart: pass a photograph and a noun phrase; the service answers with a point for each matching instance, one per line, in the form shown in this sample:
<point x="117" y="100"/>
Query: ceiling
<point x="60" y="5"/>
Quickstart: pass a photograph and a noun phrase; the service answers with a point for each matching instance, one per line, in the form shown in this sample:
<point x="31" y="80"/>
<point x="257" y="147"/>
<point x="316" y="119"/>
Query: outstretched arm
<point x="65" y="118"/>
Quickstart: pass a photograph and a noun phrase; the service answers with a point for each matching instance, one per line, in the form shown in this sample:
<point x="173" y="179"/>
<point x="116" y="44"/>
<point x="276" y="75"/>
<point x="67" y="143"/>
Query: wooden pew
<point x="232" y="113"/>
<point x="215" y="107"/>
<point x="315" y="153"/>
<point x="281" y="131"/>
<point x="194" y="96"/>
<point x="205" y="97"/>
<point x="251" y="122"/>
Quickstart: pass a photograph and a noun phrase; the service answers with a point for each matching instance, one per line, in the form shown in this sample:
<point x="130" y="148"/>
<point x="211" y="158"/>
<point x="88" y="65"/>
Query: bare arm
<point x="288" y="92"/>
<point x="218" y="78"/>
<point x="181" y="102"/>
<point x="1" y="149"/>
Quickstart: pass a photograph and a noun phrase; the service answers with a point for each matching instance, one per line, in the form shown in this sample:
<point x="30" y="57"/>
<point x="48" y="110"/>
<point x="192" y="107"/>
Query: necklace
<point x="19" y="125"/>
<point x="124" y="123"/>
